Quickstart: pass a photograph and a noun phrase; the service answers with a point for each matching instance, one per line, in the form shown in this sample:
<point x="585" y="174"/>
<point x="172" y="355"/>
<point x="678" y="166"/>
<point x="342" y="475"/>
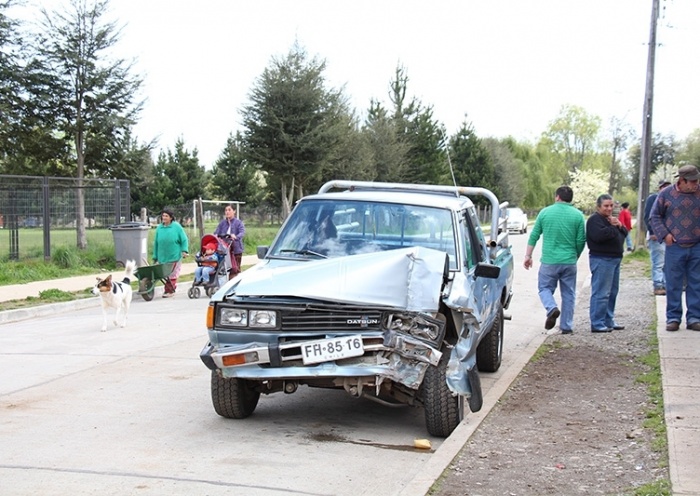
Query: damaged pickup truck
<point x="389" y="291"/>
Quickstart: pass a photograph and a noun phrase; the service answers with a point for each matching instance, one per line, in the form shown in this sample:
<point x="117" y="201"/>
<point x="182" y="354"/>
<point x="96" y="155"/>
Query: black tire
<point x="443" y="409"/>
<point x="233" y="398"/>
<point x="144" y="284"/>
<point x="190" y="293"/>
<point x="489" y="353"/>
<point x="211" y="290"/>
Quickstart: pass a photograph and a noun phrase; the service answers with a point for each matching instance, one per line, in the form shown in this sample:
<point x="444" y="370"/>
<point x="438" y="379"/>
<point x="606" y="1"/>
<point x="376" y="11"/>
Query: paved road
<point x="128" y="412"/>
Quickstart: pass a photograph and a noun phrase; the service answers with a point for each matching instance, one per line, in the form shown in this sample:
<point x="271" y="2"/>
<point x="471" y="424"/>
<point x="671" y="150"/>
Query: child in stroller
<point x="210" y="263"/>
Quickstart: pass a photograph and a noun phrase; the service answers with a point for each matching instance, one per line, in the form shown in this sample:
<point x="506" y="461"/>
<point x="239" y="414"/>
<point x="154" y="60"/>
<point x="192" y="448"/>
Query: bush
<point x="65" y="258"/>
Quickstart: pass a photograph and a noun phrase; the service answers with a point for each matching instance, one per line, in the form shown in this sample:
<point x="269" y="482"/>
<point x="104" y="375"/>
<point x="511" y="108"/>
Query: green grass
<point x="654" y="416"/>
<point x="660" y="487"/>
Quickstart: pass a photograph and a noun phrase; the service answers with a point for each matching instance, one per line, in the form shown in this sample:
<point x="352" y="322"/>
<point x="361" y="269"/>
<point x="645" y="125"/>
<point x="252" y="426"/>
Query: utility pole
<point x="645" y="163"/>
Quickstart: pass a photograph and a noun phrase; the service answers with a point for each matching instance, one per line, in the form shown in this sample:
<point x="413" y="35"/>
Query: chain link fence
<point x="38" y="214"/>
<point x="30" y="205"/>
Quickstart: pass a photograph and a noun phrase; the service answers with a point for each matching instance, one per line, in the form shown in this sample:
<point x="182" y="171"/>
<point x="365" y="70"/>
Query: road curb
<point x="9" y="316"/>
<point x="19" y="314"/>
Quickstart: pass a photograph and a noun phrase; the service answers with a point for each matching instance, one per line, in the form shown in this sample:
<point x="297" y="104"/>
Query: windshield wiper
<point x="305" y="252"/>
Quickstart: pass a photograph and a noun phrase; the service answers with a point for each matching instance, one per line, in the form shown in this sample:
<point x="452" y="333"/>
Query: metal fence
<point x="50" y="203"/>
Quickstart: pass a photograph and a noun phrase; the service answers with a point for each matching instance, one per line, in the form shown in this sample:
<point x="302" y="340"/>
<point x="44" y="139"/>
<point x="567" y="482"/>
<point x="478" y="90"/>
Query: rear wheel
<point x="489" y="353"/>
<point x="233" y="398"/>
<point x="443" y="409"/>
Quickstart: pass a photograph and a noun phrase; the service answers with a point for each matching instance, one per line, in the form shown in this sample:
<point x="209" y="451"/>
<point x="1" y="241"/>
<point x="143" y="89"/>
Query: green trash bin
<point x="131" y="242"/>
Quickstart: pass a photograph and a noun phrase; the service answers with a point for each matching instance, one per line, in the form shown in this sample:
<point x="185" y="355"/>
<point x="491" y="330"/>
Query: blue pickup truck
<point x="391" y="292"/>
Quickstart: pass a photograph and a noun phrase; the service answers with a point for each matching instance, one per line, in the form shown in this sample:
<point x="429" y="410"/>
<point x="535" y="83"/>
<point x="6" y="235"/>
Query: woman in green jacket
<point x="170" y="246"/>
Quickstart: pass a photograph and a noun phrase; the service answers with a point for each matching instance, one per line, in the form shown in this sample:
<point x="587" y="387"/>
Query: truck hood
<point x="407" y="278"/>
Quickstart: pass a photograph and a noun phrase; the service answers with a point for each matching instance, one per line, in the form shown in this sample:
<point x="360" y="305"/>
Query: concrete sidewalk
<point x="679" y="353"/>
<point x="680" y="373"/>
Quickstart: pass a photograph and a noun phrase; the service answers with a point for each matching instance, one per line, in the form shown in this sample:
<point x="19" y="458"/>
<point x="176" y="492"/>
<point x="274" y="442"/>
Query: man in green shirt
<point x="563" y="228"/>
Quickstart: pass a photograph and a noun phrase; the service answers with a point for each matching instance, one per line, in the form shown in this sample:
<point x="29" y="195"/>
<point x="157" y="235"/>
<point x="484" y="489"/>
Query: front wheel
<point x="233" y="398"/>
<point x="443" y="409"/>
<point x="146" y="288"/>
<point x="489" y="353"/>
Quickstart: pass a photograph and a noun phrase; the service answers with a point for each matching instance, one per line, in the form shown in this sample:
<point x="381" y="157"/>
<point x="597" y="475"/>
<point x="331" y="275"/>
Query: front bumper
<point x="389" y="355"/>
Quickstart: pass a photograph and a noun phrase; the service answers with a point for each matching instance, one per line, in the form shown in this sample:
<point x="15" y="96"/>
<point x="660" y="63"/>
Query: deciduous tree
<point x="510" y="172"/>
<point x="588" y="185"/>
<point x="621" y="134"/>
<point x="663" y="156"/>
<point x="573" y="137"/>
<point x="689" y="152"/>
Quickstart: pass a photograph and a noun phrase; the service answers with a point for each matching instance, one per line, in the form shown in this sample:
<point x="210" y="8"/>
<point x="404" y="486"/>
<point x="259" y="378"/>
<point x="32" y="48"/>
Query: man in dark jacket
<point x="605" y="236"/>
<point x="657" y="249"/>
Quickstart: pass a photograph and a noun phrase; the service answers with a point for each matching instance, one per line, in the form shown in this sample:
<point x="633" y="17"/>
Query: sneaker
<point x="672" y="326"/>
<point x="567" y="331"/>
<point x="168" y="295"/>
<point x="659" y="292"/>
<point x="695" y="326"/>
<point x="552" y="317"/>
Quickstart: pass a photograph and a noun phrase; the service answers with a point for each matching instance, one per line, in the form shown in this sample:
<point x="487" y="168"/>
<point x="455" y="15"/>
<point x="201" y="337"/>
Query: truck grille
<point x="331" y="320"/>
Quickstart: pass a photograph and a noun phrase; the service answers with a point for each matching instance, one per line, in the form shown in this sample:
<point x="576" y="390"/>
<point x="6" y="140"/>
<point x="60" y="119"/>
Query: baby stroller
<point x="220" y="273"/>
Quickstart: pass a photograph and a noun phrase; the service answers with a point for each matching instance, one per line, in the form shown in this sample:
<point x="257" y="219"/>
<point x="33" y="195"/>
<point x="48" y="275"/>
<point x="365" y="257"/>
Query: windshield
<point x="320" y="229"/>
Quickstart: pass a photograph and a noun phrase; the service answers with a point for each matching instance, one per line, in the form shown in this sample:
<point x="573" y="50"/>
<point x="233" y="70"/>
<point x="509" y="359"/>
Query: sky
<point x="505" y="66"/>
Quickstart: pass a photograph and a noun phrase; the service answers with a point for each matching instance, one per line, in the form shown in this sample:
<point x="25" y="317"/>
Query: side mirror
<point x="262" y="251"/>
<point x="486" y="270"/>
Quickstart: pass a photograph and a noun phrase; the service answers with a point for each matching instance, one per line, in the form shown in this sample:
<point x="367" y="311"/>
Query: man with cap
<point x="657" y="249"/>
<point x="675" y="219"/>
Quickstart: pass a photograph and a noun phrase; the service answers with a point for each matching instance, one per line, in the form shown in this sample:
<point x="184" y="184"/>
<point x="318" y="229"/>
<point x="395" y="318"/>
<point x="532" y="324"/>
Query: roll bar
<point x="499" y="230"/>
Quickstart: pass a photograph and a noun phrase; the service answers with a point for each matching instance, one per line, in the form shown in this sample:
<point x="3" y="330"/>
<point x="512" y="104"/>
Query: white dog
<point x="115" y="294"/>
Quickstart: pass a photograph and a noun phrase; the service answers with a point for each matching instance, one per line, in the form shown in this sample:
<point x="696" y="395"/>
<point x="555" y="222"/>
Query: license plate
<point x="326" y="350"/>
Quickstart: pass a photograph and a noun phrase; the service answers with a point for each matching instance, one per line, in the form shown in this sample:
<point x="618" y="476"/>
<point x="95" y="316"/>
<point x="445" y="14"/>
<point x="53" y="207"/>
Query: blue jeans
<point x="203" y="273"/>
<point x="548" y="277"/>
<point x="682" y="264"/>
<point x="657" y="252"/>
<point x="605" y="284"/>
<point x="628" y="240"/>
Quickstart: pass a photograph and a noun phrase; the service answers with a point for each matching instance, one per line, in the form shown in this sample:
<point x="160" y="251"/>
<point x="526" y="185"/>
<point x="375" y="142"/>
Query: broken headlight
<point x="419" y="326"/>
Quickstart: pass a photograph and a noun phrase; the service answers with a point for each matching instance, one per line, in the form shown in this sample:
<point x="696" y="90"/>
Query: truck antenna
<point x="452" y="171"/>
